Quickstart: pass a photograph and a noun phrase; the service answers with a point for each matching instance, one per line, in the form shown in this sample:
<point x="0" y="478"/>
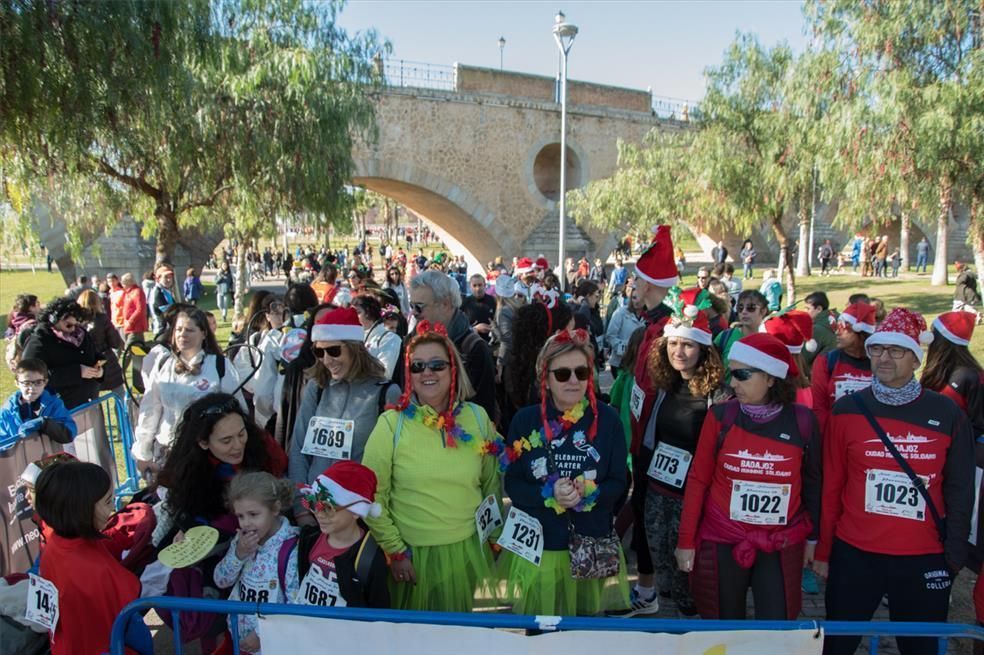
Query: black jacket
<point x="372" y="592"/>
<point x="64" y="361"/>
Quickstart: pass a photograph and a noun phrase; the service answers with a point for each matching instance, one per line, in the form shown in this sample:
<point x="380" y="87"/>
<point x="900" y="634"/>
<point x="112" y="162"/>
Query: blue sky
<point x="640" y="44"/>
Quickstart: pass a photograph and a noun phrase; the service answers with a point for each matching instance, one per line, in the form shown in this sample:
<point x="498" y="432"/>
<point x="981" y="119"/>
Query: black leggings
<point x="765" y="578"/>
<point x="639" y="543"/>
<point x="918" y="588"/>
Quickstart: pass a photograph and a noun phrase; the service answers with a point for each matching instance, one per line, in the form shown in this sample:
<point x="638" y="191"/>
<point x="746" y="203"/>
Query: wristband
<point x="399" y="557"/>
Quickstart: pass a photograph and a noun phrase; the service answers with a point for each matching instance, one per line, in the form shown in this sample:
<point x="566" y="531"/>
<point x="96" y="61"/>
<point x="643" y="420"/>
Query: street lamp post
<point x="502" y="46"/>
<point x="564" y="34"/>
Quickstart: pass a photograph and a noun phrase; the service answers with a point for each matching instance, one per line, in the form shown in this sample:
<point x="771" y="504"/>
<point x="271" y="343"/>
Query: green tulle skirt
<point x="549" y="589"/>
<point x="448" y="578"/>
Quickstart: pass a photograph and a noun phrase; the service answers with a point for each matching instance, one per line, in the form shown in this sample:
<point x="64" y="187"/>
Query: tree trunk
<point x="167" y="232"/>
<point x="977" y="233"/>
<point x="904" y="239"/>
<point x="803" y="259"/>
<point x="783" y="258"/>
<point x="241" y="275"/>
<point x="940" y="277"/>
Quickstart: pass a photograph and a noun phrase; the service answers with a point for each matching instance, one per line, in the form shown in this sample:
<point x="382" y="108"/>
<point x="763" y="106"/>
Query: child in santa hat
<point x="339" y="562"/>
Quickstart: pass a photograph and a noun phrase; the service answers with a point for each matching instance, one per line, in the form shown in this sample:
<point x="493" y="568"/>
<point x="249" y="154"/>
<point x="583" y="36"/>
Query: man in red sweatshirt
<point x="881" y="533"/>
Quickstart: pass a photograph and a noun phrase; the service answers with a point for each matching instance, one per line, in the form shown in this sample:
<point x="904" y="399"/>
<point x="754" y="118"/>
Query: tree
<point x="915" y="64"/>
<point x="203" y="99"/>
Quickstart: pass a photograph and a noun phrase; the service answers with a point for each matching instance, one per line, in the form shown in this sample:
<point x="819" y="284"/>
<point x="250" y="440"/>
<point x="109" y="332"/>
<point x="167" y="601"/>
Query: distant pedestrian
<point x="922" y="255"/>
<point x="193" y="290"/>
<point x="747" y="255"/>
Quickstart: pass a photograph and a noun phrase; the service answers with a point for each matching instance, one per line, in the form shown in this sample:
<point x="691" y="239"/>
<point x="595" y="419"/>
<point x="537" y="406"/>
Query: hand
<point x="250" y="643"/>
<point x="145" y="466"/>
<point x="822" y="569"/>
<point x="402" y="570"/>
<point x="808" y="553"/>
<point x="91" y="372"/>
<point x="482" y="328"/>
<point x="565" y="493"/>
<point x="685" y="559"/>
<point x="30" y="427"/>
<point x="178" y="537"/>
<point x="579" y="486"/>
<point x="247" y="544"/>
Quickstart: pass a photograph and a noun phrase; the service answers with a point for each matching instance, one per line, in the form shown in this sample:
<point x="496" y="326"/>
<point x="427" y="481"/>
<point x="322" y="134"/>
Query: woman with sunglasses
<point x="753" y="493"/>
<point x="346" y="391"/>
<point x="215" y="439"/>
<point x="566" y="468"/>
<point x="432" y="457"/>
<point x="193" y="366"/>
<point x="685" y="369"/>
<point x="61" y="342"/>
<point x="751" y="309"/>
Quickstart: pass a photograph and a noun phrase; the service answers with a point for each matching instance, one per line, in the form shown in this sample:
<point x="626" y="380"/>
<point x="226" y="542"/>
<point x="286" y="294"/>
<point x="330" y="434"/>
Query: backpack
<point x="15" y="346"/>
<point x="220" y="364"/>
<point x="363" y="559"/>
<point x="733" y="407"/>
<point x="380" y="400"/>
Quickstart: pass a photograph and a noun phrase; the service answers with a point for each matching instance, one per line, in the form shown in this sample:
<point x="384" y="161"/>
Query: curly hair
<point x="60" y="308"/>
<point x="532" y="325"/>
<point x="188" y="474"/>
<point x="706" y="378"/>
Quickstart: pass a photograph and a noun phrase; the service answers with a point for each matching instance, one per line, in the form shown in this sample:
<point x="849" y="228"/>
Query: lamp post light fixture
<point x="564" y="34"/>
<point x="502" y="46"/>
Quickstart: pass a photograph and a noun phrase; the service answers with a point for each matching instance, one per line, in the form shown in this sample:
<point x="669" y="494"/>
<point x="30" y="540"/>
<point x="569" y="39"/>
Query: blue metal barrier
<point x="116" y="421"/>
<point x="874" y="630"/>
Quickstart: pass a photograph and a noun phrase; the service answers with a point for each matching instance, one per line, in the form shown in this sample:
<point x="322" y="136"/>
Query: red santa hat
<point x="956" y="327"/>
<point x="524" y="266"/>
<point x="350" y="485"/>
<point x="696" y="328"/>
<point x="656" y="265"/>
<point x="794" y="328"/>
<point x="338" y="325"/>
<point x="860" y="316"/>
<point x="766" y="353"/>
<point x="542" y="264"/>
<point x="902" y="327"/>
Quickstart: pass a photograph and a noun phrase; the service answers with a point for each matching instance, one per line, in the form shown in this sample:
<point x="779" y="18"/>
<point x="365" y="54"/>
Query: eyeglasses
<point x="228" y="407"/>
<point x="418" y="307"/>
<point x="564" y="374"/>
<point x="32" y="384"/>
<point x="332" y="351"/>
<point x="895" y="352"/>
<point x="436" y="365"/>
<point x="744" y="374"/>
<point x="750" y="307"/>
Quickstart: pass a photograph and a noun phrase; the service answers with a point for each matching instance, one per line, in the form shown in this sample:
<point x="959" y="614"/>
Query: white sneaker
<point x="640" y="606"/>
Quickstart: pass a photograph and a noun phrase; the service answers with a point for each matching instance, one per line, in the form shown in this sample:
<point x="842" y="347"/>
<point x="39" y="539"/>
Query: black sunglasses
<point x="228" y="407"/>
<point x="331" y="351"/>
<point x="743" y="374"/>
<point x="564" y="374"/>
<point x="435" y="365"/>
<point x="751" y="307"/>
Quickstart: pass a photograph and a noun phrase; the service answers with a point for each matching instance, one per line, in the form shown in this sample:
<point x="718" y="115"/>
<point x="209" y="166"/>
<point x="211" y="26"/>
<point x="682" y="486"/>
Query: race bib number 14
<point x="42" y="602"/>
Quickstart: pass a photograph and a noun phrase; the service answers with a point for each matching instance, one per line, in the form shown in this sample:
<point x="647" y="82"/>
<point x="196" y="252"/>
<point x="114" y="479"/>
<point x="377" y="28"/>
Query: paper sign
<point x="523" y="535"/>
<point x="330" y="438"/>
<point x="891" y="493"/>
<point x="761" y="503"/>
<point x="636" y="400"/>
<point x="318" y="590"/>
<point x="670" y="465"/>
<point x="42" y="602"/>
<point x="197" y="544"/>
<point x="487" y="518"/>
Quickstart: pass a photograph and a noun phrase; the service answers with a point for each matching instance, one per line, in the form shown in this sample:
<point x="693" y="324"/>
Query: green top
<point x="723" y="343"/>
<point x="428" y="491"/>
<point x="621" y="397"/>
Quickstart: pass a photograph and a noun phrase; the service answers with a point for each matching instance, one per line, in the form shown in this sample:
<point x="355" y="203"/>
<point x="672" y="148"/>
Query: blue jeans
<point x="748" y="271"/>
<point x="921" y="261"/>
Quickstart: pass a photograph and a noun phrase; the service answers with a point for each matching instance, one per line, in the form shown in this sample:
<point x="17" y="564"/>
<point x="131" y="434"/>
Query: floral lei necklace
<point x="447" y="424"/>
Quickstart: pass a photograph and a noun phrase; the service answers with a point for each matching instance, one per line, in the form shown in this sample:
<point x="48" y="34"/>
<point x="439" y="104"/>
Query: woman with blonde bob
<point x="687" y="371"/>
<point x="432" y="455"/>
<point x="341" y="402"/>
<point x="566" y="467"/>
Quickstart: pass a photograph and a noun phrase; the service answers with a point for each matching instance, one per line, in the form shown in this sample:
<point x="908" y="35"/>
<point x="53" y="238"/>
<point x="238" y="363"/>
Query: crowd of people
<point x="436" y="441"/>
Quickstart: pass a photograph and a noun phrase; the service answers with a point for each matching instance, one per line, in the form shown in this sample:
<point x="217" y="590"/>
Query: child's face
<point x="103" y="510"/>
<point x="31" y="385"/>
<point x="335" y="520"/>
<point x="256" y="517"/>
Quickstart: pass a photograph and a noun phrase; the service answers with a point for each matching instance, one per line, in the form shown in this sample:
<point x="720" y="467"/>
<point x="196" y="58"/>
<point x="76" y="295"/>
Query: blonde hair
<point x="90" y="301"/>
<point x="263" y="488"/>
<point x="364" y="365"/>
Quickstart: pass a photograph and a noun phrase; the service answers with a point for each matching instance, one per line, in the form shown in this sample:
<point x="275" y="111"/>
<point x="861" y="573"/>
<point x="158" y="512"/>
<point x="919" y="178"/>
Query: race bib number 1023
<point x="891" y="493"/>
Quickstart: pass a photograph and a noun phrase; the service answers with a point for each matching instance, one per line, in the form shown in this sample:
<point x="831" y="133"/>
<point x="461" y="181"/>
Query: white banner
<point x="294" y="635"/>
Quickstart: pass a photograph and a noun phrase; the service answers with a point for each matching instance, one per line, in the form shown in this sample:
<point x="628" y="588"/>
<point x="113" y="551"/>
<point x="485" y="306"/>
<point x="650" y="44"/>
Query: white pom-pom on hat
<point x="811" y="345"/>
<point x="690" y="311"/>
<point x="375" y="510"/>
<point x="925" y="337"/>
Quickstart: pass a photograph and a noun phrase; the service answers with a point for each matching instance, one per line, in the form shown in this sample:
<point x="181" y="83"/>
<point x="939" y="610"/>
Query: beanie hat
<point x="346" y="484"/>
<point x="902" y="327"/>
<point x="523" y="266"/>
<point x="956" y="327"/>
<point x="505" y="286"/>
<point x="794" y="328"/>
<point x="656" y="265"/>
<point x="338" y="325"/>
<point x="860" y="316"/>
<point x="688" y="320"/>
<point x="766" y="353"/>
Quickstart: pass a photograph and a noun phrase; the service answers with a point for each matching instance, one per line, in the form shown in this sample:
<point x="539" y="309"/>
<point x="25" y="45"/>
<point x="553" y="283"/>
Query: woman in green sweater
<point x="432" y="458"/>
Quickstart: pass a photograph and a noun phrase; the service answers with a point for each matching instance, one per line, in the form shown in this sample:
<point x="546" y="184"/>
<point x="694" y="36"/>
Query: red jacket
<point x="834" y="375"/>
<point x="935" y="439"/>
<point x="134" y="310"/>
<point x="92" y="589"/>
<point x="640" y="411"/>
